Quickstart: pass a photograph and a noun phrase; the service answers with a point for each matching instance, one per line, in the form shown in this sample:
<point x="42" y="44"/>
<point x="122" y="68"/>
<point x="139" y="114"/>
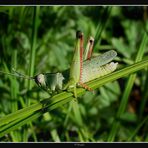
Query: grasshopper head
<point x="40" y="80"/>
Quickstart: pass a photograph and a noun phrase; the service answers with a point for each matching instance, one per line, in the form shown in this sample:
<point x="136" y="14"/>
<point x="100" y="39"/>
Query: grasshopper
<point x="83" y="68"/>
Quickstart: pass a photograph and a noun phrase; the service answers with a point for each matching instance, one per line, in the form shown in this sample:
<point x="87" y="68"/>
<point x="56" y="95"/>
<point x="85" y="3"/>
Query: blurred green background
<point x="39" y="40"/>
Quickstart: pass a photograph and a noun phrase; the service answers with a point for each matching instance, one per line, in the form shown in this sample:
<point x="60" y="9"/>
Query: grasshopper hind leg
<point x="86" y="87"/>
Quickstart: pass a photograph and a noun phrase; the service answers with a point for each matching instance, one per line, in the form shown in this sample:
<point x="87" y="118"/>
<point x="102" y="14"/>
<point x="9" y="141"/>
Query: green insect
<point x="83" y="69"/>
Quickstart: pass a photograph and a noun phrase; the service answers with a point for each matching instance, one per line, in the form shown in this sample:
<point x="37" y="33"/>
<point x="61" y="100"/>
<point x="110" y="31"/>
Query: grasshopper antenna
<point x="18" y="74"/>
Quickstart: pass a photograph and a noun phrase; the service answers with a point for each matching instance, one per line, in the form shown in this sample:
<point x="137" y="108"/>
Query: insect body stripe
<point x="81" y="57"/>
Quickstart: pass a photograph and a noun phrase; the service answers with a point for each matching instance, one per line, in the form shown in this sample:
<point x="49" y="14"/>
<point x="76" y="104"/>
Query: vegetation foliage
<point x="41" y="39"/>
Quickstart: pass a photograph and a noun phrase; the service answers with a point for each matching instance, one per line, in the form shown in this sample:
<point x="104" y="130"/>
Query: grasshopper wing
<point x="103" y="58"/>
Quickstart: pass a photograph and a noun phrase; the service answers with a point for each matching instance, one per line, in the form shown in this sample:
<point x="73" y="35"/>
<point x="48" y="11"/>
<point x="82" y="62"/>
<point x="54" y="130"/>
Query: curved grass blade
<point x="62" y="98"/>
<point x="127" y="91"/>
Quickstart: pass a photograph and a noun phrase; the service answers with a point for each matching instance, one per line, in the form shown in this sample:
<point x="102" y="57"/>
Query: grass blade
<point x="137" y="129"/>
<point x="64" y="97"/>
<point x="129" y="85"/>
<point x="102" y="24"/>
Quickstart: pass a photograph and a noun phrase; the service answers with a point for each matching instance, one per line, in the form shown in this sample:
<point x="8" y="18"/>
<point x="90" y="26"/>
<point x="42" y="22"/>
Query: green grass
<point x="32" y="112"/>
<point x="41" y="39"/>
<point x="127" y="91"/>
